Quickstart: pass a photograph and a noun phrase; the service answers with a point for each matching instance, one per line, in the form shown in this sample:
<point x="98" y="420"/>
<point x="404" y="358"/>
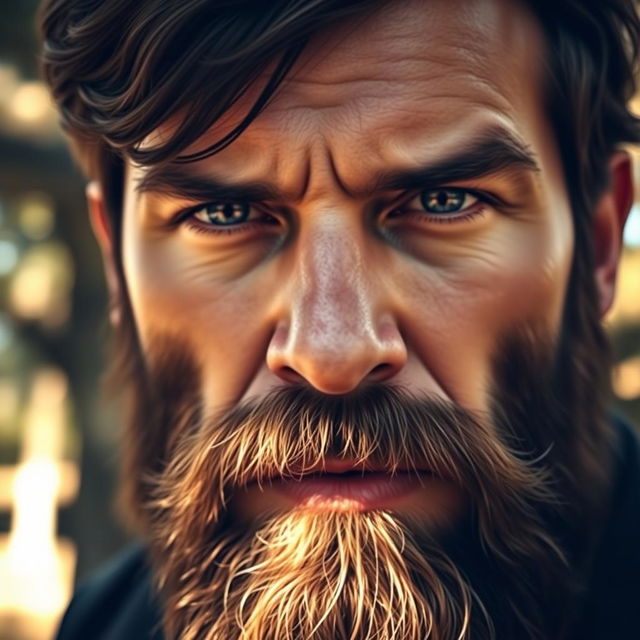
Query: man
<point x="358" y="256"/>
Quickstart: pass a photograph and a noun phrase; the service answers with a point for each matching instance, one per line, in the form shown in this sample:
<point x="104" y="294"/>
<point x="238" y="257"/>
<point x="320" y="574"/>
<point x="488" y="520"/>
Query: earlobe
<point x="609" y="218"/>
<point x="102" y="230"/>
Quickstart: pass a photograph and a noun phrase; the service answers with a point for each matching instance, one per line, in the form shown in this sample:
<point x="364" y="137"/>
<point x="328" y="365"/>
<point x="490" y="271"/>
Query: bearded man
<point x="358" y="254"/>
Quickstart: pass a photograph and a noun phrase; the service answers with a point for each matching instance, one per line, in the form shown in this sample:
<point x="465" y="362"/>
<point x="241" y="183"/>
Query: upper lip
<point x="340" y="465"/>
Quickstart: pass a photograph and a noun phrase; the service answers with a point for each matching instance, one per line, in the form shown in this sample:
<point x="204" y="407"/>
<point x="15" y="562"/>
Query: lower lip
<point x="341" y="492"/>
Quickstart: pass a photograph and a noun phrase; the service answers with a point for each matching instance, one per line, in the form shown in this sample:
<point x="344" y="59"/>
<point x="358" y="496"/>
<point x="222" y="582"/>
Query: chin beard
<point x="328" y="576"/>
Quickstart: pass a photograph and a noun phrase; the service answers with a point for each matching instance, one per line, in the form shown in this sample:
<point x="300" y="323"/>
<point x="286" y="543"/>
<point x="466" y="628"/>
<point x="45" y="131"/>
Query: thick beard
<point x="500" y="575"/>
<point x="324" y="575"/>
<point x="342" y="576"/>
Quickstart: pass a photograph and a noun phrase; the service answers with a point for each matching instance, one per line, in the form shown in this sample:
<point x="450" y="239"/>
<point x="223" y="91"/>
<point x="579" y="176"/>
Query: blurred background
<point x="57" y="437"/>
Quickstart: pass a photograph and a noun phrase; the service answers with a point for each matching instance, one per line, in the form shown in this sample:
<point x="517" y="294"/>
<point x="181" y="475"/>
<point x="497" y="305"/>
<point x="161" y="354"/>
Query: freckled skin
<point x="337" y="292"/>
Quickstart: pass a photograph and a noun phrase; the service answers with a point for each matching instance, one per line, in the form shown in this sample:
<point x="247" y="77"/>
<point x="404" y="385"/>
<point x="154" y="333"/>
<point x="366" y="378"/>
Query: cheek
<point x="186" y="293"/>
<point x="457" y="307"/>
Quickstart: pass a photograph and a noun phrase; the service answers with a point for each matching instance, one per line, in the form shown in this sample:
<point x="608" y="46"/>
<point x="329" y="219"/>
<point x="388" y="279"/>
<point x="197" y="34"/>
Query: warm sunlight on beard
<point x="344" y="575"/>
<point x="328" y="576"/>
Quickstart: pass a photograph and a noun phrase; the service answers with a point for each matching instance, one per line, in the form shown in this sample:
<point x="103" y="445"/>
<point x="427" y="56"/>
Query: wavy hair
<point x="117" y="70"/>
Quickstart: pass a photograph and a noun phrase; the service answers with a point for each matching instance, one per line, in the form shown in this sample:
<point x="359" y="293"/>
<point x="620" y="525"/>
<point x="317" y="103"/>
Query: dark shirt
<point x="119" y="603"/>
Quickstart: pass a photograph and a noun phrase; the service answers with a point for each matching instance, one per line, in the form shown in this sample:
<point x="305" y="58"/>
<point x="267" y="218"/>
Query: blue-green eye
<point x="223" y="214"/>
<point x="446" y="200"/>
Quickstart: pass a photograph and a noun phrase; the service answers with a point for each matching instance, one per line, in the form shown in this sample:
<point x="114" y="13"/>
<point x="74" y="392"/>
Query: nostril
<point x="381" y="371"/>
<point x="290" y="374"/>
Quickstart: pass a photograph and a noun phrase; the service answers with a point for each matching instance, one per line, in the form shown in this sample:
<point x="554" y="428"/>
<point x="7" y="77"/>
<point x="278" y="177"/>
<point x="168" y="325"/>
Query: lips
<point x="344" y="485"/>
<point x="360" y="491"/>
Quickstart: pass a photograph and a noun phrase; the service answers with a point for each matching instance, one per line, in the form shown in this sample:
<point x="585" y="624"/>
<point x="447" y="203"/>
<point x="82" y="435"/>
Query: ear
<point x="103" y="232"/>
<point x="609" y="218"/>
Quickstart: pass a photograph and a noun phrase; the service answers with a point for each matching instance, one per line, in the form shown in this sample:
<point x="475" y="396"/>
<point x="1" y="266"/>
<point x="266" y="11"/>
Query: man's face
<point x="395" y="212"/>
<point x="415" y="213"/>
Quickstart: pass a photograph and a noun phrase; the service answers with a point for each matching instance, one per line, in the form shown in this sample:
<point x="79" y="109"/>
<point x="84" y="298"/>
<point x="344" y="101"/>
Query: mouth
<point x="352" y="491"/>
<point x="342" y="485"/>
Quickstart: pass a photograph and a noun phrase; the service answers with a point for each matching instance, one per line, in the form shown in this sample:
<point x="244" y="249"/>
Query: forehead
<point x="392" y="87"/>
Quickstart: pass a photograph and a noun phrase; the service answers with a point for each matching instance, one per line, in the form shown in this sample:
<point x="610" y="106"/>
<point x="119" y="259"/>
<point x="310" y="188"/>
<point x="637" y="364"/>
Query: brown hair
<point x="117" y="70"/>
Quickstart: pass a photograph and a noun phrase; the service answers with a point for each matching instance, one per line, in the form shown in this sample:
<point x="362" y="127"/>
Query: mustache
<point x="294" y="430"/>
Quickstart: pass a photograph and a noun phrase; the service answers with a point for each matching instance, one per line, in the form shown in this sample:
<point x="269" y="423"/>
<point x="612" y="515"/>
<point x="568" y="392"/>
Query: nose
<point x="336" y="330"/>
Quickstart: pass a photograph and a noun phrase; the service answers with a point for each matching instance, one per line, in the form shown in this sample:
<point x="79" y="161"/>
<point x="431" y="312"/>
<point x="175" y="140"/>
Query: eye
<point x="444" y="205"/>
<point x="223" y="214"/>
<point x="443" y="201"/>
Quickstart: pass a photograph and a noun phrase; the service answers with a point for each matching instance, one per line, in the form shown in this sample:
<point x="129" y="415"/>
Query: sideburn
<point x="160" y="397"/>
<point x="565" y="415"/>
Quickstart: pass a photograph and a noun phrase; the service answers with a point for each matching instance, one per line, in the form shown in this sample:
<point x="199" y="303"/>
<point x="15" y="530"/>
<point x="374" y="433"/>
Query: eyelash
<point x="478" y="210"/>
<point x="186" y="218"/>
<point x="475" y="211"/>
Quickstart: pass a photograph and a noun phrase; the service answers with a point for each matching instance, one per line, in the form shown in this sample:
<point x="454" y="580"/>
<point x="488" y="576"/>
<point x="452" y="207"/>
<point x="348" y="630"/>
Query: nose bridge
<point x="332" y="304"/>
<point x="336" y="335"/>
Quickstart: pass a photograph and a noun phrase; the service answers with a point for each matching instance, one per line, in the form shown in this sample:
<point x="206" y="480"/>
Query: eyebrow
<point x="492" y="152"/>
<point x="178" y="181"/>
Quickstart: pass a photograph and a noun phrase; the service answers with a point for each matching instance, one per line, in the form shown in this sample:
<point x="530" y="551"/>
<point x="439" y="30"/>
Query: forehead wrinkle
<point x="405" y="70"/>
<point x="313" y="99"/>
<point x="428" y="37"/>
<point x="410" y="57"/>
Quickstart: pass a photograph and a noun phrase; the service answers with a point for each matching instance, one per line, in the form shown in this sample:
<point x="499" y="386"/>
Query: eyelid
<point x="186" y="217"/>
<point x="484" y="196"/>
<point x="187" y="212"/>
<point x="484" y="199"/>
